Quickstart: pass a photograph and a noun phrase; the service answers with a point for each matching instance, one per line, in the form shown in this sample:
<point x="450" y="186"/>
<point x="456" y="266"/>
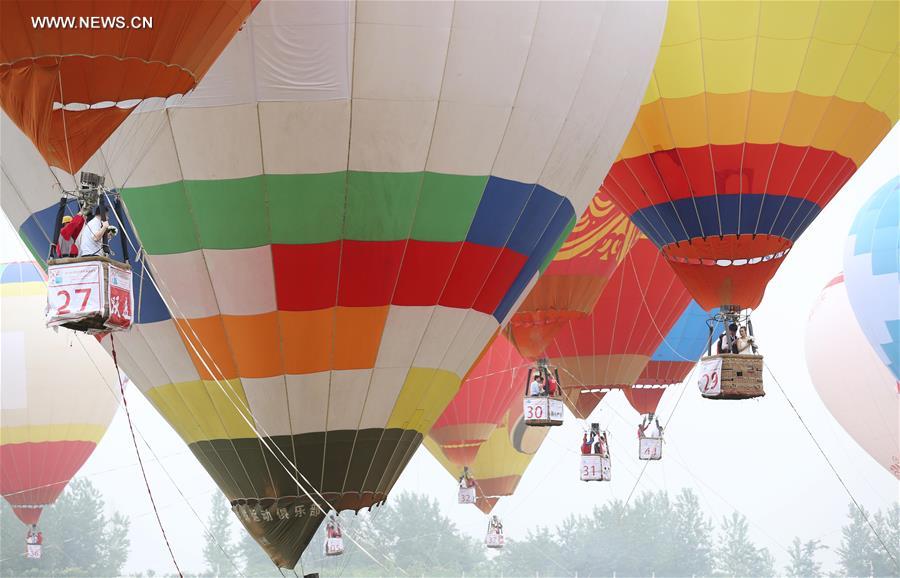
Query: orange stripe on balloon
<point x="792" y="118"/>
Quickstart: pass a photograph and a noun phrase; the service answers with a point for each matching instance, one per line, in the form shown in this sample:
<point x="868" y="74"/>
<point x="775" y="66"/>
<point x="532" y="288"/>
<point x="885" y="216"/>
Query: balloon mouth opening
<point x="462" y="453"/>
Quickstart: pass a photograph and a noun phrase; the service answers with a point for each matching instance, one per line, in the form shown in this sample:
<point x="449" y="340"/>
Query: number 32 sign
<point x="709" y="380"/>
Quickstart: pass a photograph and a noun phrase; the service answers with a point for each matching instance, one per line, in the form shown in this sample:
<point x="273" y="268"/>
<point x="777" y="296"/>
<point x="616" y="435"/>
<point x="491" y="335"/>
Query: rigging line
<point x="833" y="469"/>
<point x="256" y="430"/>
<point x="63" y="114"/>
<point x="137" y="451"/>
<point x="665" y="429"/>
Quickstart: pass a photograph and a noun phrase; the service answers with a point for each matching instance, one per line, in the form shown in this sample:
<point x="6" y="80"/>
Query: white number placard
<point x="334" y="546"/>
<point x="467" y="495"/>
<point x="33" y="551"/>
<point x="595" y="468"/>
<point x="74" y="290"/>
<point x="710" y="376"/>
<point x="650" y="448"/>
<point x="535" y="408"/>
<point x="556" y="409"/>
<point x="494" y="540"/>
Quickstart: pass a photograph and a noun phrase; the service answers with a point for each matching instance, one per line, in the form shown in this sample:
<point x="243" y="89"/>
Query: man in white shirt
<point x="90" y="242"/>
<point x="535" y="388"/>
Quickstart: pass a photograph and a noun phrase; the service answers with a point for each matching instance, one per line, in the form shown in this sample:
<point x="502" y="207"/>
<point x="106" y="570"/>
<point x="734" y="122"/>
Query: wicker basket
<point x="741" y="376"/>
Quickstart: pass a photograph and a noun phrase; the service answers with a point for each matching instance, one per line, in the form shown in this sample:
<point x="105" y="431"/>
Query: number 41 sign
<point x="709" y="380"/>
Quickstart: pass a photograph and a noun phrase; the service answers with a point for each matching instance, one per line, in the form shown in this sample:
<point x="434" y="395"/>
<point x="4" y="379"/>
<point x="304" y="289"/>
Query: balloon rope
<point x="138" y="452"/>
<point x="833" y="469"/>
<point x="62" y="111"/>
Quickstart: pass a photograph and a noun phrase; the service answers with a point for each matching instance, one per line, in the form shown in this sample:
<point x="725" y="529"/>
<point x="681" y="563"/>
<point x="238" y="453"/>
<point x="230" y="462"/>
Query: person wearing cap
<point x="66" y="244"/>
<point x="728" y="340"/>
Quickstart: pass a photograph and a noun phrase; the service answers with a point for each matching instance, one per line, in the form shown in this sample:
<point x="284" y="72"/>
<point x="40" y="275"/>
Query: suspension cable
<point x="138" y="452"/>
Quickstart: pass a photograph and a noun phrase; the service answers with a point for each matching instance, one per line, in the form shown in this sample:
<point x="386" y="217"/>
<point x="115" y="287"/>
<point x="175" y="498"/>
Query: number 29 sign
<point x="709" y="380"/>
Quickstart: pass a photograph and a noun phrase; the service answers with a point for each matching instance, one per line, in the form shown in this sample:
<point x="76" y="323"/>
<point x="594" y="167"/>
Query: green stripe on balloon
<point x="304" y="209"/>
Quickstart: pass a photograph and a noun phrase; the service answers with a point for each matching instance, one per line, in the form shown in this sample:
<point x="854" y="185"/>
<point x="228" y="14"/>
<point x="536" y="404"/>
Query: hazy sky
<point x="751" y="456"/>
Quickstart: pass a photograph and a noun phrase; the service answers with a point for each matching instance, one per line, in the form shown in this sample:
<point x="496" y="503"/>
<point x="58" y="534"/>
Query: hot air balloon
<point x="501" y="461"/>
<point x="756" y="116"/>
<point x="571" y="284"/>
<point x="70" y="72"/>
<point x="861" y="393"/>
<point x="610" y="348"/>
<point x="340" y="217"/>
<point x="56" y="403"/>
<point x="481" y="403"/>
<point x="872" y="272"/>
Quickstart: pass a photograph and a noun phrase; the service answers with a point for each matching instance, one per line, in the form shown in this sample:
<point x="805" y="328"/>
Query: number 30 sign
<point x="709" y="380"/>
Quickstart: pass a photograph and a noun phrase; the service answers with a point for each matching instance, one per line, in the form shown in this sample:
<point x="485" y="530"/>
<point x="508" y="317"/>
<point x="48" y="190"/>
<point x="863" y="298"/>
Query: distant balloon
<point x="872" y="272"/>
<point x="610" y="348"/>
<point x="756" y="115"/>
<point x="672" y="361"/>
<point x="572" y="283"/>
<point x="501" y="461"/>
<point x="56" y="403"/>
<point x="861" y="393"/>
<point x="482" y="401"/>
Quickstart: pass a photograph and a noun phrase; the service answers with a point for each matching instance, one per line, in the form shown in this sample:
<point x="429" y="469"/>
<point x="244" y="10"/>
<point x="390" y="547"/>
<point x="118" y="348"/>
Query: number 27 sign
<point x="74" y="290"/>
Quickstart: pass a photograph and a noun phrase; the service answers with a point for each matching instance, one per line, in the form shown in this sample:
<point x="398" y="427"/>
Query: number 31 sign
<point x="709" y="380"/>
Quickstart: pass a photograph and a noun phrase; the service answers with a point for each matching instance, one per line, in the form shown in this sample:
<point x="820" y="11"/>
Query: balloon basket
<point x="741" y="376"/>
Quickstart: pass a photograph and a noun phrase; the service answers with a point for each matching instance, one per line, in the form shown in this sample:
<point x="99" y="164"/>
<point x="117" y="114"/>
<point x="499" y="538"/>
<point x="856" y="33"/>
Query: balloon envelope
<point x="861" y="393"/>
<point x="501" y="461"/>
<point x="56" y="403"/>
<point x="872" y="272"/>
<point x="673" y="360"/>
<point x="611" y="347"/>
<point x="69" y="83"/>
<point x="574" y="279"/>
<point x="756" y="116"/>
<point x="341" y="215"/>
<point x="482" y="401"/>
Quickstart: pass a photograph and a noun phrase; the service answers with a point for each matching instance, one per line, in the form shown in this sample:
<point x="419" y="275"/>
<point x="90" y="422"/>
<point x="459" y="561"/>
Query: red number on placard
<point x="705" y="382"/>
<point x="87" y="295"/>
<point x="529" y="412"/>
<point x="715" y="379"/>
<point x="539" y="412"/>
<point x="65" y="307"/>
<point x="585" y="472"/>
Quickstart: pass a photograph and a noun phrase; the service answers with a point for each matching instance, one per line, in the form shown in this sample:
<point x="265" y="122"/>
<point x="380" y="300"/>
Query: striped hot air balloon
<point x="340" y="217"/>
<point x="57" y="398"/>
<point x="756" y="116"/>
<point x="872" y="272"/>
<point x="571" y="284"/>
<point x="501" y="461"/>
<point x="610" y="348"/>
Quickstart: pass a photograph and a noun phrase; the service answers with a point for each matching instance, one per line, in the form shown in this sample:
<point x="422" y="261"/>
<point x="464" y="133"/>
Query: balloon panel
<point x="332" y="282"/>
<point x="872" y="272"/>
<point x="69" y="86"/>
<point x="56" y="403"/>
<point x="756" y="115"/>
<point x="861" y="393"/>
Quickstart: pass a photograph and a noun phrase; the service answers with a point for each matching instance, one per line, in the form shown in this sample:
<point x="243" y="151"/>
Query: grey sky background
<point x="751" y="456"/>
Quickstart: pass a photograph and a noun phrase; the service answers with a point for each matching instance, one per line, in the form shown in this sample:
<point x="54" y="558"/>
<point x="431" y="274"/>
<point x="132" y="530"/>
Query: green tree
<point x="803" y="559"/>
<point x="858" y="545"/>
<point x="692" y="535"/>
<point x="79" y="540"/>
<point x="736" y="555"/>
<point x="886" y="561"/>
<point x="219" y="551"/>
